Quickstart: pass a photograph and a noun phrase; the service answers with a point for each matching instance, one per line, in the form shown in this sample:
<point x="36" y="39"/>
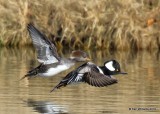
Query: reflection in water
<point x="139" y="89"/>
<point x="46" y="107"/>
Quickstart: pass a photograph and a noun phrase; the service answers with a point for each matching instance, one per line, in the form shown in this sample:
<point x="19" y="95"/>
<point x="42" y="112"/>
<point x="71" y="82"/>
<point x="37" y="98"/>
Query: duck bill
<point x="123" y="73"/>
<point x="88" y="59"/>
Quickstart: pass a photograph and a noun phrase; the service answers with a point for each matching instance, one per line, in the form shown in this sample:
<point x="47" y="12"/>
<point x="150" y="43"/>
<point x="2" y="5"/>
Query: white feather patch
<point x="79" y="77"/>
<point x="109" y="66"/>
<point x="54" y="71"/>
<point x="100" y="70"/>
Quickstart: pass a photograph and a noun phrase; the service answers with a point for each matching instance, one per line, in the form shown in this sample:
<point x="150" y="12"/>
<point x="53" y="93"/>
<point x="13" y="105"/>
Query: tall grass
<point x="112" y="24"/>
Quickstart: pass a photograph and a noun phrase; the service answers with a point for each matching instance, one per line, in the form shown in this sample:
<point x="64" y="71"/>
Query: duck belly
<point x="54" y="71"/>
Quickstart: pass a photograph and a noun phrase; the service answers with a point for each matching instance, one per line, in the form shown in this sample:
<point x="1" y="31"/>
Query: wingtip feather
<point x="23" y="77"/>
<point x="53" y="89"/>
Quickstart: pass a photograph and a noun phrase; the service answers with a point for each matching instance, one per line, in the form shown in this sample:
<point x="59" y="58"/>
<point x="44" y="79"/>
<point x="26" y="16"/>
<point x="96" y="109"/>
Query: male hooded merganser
<point x="98" y="76"/>
<point x="51" y="62"/>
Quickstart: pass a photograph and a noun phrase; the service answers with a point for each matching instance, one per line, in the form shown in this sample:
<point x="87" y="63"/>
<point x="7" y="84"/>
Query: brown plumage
<point x="48" y="57"/>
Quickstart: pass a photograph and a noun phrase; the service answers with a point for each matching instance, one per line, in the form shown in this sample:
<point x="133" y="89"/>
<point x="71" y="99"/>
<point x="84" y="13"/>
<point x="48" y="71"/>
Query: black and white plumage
<point x="51" y="62"/>
<point x="98" y="76"/>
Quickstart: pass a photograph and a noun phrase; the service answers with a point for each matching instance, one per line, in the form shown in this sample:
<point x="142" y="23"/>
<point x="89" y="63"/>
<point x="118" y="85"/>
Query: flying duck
<point x="50" y="62"/>
<point x="98" y="76"/>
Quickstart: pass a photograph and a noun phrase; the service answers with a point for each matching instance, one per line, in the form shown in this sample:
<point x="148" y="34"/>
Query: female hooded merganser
<point x="79" y="56"/>
<point x="51" y="62"/>
<point x="98" y="76"/>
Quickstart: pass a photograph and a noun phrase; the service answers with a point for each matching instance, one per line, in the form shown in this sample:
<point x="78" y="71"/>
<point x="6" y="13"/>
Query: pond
<point x="137" y="92"/>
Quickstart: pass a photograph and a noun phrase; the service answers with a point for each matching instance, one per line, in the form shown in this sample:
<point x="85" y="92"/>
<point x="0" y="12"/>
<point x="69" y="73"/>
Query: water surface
<point x="137" y="90"/>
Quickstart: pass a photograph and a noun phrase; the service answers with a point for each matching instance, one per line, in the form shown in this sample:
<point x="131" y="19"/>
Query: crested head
<point x="109" y="65"/>
<point x="112" y="67"/>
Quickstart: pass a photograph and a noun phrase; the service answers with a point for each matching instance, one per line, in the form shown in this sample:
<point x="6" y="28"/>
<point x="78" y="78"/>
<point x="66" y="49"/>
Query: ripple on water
<point x="138" y="89"/>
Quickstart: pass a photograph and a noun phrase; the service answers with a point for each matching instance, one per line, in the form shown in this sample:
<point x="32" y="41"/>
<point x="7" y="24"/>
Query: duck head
<point x="79" y="56"/>
<point x="112" y="67"/>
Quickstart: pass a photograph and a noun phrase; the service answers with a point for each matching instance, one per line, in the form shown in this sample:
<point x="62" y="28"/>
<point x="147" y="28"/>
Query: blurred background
<point x="118" y="24"/>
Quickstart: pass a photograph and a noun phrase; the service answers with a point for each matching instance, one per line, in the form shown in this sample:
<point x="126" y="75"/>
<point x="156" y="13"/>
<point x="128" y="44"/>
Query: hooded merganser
<point x="79" y="56"/>
<point x="98" y="76"/>
<point x="51" y="62"/>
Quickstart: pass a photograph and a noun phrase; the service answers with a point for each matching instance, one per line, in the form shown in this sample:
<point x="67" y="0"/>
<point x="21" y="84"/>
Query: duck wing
<point x="97" y="79"/>
<point x="47" y="52"/>
<point x="93" y="75"/>
<point x="73" y="76"/>
<point x="89" y="73"/>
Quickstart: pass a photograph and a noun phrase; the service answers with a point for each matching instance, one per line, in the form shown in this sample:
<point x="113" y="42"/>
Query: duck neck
<point x="105" y="71"/>
<point x="72" y="59"/>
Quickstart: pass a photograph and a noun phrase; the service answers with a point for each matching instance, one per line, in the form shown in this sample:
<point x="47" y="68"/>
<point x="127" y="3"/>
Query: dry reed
<point x="112" y="24"/>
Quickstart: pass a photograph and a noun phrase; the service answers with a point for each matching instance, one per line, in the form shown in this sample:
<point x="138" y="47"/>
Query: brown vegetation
<point x="115" y="24"/>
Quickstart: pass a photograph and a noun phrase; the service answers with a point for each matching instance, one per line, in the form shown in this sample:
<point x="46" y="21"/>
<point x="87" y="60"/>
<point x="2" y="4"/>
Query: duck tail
<point x="29" y="74"/>
<point x="32" y="73"/>
<point x="64" y="82"/>
<point x="23" y="77"/>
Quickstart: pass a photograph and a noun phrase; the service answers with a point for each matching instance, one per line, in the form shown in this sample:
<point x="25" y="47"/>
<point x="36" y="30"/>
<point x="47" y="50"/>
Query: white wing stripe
<point x="100" y="70"/>
<point x="79" y="77"/>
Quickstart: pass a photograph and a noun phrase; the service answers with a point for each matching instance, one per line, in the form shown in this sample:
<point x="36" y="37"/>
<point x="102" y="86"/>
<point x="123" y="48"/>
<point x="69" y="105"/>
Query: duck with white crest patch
<point x="98" y="76"/>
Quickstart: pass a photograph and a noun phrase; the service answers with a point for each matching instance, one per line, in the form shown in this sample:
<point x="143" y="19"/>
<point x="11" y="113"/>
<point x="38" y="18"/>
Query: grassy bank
<point x="117" y="24"/>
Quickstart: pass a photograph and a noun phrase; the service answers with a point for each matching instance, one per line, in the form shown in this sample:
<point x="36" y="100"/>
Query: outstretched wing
<point x="89" y="73"/>
<point x="98" y="80"/>
<point x="47" y="52"/>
